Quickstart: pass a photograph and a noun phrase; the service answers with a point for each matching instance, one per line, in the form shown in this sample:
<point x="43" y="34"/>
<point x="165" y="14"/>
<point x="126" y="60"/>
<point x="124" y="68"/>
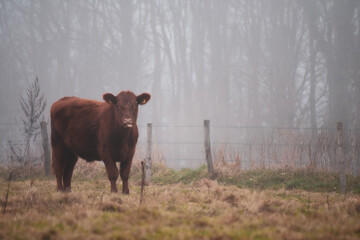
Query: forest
<point x="267" y="89"/>
<point x="252" y="63"/>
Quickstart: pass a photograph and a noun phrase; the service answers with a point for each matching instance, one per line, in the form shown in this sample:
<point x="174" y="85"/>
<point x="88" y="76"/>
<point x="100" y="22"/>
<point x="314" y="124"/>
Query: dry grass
<point x="203" y="209"/>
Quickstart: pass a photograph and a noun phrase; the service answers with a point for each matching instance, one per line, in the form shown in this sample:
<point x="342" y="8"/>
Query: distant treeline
<point x="280" y="63"/>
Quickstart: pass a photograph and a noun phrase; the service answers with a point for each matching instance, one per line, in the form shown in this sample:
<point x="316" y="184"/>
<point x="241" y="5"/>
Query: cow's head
<point x="126" y="105"/>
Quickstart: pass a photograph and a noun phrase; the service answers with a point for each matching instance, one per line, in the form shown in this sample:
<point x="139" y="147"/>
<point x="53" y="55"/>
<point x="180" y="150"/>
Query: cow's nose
<point x="128" y="122"/>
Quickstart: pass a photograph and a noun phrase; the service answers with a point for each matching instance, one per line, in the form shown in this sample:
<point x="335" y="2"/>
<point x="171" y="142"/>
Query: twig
<point x="101" y="199"/>
<point x="142" y="182"/>
<point x="7" y="192"/>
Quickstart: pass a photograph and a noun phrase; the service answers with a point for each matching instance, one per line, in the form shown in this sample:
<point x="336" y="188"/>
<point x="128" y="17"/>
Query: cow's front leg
<point x="113" y="173"/>
<point x="125" y="167"/>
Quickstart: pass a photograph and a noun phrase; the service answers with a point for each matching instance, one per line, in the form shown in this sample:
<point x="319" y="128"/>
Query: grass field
<point x="259" y="204"/>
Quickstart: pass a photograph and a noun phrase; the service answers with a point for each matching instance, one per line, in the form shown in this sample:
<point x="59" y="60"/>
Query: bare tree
<point x="33" y="106"/>
<point x="246" y="62"/>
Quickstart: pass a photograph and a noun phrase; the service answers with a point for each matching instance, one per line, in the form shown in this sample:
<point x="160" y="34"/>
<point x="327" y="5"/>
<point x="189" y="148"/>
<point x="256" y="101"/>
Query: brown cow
<point x="95" y="130"/>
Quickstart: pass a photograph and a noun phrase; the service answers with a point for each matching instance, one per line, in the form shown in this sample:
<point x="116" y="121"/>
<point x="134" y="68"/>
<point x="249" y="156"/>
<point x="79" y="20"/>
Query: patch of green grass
<point x="4" y="173"/>
<point x="259" y="179"/>
<point x="312" y="181"/>
<point x="353" y="184"/>
<point x="185" y="176"/>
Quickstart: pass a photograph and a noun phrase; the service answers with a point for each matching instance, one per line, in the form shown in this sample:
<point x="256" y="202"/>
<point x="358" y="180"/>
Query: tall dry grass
<point x="177" y="205"/>
<point x="294" y="148"/>
<point x="203" y="209"/>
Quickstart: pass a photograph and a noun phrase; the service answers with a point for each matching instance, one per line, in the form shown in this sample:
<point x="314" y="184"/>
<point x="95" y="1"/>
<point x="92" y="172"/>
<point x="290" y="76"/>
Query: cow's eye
<point x="122" y="107"/>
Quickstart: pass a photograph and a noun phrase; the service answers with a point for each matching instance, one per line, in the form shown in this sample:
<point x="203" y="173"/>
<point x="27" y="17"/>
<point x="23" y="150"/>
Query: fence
<point x="250" y="147"/>
<point x="255" y="147"/>
<point x="24" y="152"/>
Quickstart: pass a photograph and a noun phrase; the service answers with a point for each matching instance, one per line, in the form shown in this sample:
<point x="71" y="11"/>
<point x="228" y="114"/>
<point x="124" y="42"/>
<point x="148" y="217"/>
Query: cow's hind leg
<point x="60" y="157"/>
<point x="58" y="163"/>
<point x="68" y="171"/>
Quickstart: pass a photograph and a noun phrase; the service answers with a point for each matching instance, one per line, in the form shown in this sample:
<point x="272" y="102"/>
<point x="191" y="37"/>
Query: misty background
<point x="246" y="65"/>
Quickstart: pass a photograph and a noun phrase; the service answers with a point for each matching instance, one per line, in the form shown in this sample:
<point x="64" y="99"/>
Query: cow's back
<point x="75" y="124"/>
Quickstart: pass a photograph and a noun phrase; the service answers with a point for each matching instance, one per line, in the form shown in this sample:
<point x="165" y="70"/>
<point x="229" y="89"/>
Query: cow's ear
<point x="143" y="98"/>
<point x="109" y="98"/>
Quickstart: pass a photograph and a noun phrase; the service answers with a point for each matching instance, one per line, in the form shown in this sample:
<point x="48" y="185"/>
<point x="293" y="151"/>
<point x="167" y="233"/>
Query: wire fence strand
<point x="182" y="146"/>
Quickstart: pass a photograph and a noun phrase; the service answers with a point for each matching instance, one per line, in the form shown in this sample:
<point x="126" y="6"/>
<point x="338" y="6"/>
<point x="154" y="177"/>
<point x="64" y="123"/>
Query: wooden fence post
<point x="207" y="146"/>
<point x="340" y="157"/>
<point x="46" y="147"/>
<point x="148" y="160"/>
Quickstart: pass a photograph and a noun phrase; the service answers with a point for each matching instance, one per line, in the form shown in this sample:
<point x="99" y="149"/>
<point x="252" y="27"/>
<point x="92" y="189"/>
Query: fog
<point x="248" y="64"/>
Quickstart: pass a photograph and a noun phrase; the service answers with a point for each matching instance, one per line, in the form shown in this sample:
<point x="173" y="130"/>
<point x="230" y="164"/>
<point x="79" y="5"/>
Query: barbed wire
<point x="273" y="144"/>
<point x="224" y="126"/>
<point x="185" y="159"/>
<point x="252" y="127"/>
<point x="231" y="143"/>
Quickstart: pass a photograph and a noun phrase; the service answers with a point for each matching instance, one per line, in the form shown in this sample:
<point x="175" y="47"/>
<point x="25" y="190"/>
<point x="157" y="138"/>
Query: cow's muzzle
<point x="128" y="123"/>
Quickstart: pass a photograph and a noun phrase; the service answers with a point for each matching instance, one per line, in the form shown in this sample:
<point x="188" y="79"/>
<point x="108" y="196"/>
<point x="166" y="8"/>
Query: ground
<point x="188" y="208"/>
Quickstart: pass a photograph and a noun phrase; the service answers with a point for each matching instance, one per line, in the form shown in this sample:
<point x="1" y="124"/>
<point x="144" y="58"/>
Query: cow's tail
<point x="55" y="141"/>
